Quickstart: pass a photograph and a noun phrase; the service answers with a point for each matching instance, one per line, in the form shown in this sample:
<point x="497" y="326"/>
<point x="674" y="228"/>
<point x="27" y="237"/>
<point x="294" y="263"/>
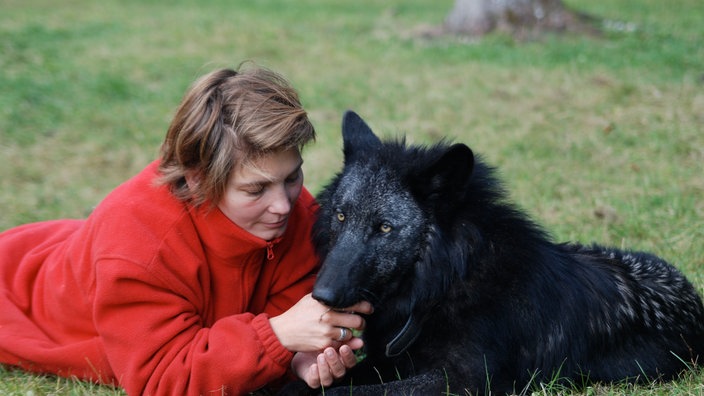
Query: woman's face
<point x="259" y="199"/>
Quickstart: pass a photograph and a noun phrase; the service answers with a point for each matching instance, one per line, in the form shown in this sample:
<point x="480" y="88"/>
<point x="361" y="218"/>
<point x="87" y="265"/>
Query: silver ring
<point x="343" y="334"/>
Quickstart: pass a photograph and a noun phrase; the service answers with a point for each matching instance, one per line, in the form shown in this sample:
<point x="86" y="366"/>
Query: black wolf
<point x="471" y="296"/>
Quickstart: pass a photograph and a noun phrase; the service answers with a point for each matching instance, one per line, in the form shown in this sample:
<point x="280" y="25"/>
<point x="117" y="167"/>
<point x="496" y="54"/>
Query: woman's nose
<point x="280" y="203"/>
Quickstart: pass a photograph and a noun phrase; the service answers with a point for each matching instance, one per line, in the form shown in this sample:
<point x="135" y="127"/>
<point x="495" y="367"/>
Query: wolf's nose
<point x="325" y="295"/>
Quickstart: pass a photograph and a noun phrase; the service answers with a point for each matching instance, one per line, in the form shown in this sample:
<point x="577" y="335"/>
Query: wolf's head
<point x="379" y="215"/>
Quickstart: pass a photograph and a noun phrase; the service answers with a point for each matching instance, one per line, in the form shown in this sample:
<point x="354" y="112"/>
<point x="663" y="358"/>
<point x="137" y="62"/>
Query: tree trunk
<point x="517" y="17"/>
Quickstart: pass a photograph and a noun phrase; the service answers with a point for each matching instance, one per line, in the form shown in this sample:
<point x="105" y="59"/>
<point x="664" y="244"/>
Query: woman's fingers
<point x="363" y="307"/>
<point x="343" y="319"/>
<point x="313" y="377"/>
<point x="324" y="373"/>
<point x="354" y="344"/>
<point x="312" y="326"/>
<point x="323" y="369"/>
<point x="347" y="356"/>
<point x="335" y="363"/>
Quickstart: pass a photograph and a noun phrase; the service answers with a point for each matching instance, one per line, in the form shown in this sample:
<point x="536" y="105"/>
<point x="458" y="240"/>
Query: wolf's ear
<point x="448" y="175"/>
<point x="356" y="134"/>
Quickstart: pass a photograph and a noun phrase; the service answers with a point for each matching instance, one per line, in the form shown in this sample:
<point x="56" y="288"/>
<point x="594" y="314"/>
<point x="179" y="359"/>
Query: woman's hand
<point x="322" y="369"/>
<point x="310" y="326"/>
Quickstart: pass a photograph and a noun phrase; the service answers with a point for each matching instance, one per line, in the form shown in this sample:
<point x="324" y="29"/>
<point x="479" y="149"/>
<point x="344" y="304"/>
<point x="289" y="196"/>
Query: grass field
<point x="601" y="139"/>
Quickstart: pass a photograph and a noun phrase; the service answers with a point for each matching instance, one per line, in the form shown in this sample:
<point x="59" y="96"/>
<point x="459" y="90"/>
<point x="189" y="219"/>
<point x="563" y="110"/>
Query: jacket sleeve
<point x="156" y="342"/>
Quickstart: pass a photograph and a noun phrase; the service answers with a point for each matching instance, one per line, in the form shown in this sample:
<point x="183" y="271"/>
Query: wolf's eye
<point x="385" y="228"/>
<point x="340" y="217"/>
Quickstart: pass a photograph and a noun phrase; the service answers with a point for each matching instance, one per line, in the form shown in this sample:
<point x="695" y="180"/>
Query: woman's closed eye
<point x="294" y="177"/>
<point x="254" y="190"/>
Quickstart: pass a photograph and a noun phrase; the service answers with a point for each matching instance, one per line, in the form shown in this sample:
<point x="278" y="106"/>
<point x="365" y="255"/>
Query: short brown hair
<point x="229" y="118"/>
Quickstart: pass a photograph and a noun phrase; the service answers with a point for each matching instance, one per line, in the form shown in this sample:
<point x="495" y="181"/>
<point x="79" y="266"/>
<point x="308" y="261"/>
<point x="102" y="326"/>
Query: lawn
<point x="600" y="138"/>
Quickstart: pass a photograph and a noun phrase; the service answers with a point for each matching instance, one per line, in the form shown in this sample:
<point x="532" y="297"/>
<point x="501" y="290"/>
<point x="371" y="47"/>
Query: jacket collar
<point x="224" y="238"/>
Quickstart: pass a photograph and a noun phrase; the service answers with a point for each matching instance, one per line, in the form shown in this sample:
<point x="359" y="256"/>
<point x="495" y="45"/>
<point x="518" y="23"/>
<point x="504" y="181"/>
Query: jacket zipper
<point x="270" y="251"/>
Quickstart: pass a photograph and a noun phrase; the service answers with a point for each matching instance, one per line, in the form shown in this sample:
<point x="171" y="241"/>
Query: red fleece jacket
<point x="152" y="294"/>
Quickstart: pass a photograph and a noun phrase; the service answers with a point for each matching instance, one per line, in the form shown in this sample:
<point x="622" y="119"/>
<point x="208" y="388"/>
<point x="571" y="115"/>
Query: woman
<point x="192" y="277"/>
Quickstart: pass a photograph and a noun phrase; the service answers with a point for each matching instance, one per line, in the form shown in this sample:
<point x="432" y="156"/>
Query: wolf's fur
<point x="427" y="233"/>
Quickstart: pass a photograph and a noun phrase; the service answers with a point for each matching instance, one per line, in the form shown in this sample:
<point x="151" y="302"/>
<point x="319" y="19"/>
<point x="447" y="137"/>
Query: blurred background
<point x="596" y="125"/>
<point x="598" y="133"/>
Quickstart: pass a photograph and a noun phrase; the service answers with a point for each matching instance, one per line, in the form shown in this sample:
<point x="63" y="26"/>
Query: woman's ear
<point x="192" y="180"/>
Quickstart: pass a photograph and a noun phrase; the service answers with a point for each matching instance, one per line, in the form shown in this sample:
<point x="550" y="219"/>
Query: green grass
<point x="14" y="382"/>
<point x="601" y="139"/>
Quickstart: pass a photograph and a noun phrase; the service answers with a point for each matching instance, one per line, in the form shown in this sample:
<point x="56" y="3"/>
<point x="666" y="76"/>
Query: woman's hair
<point x="229" y="118"/>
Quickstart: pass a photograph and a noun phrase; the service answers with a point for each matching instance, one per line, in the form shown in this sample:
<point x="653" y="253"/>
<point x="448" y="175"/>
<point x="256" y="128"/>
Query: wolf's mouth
<point x="334" y="300"/>
<point x="369" y="296"/>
